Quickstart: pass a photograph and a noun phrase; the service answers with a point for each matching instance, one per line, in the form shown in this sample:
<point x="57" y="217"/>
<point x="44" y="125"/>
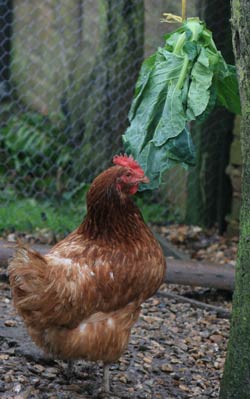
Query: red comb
<point x="129" y="162"/>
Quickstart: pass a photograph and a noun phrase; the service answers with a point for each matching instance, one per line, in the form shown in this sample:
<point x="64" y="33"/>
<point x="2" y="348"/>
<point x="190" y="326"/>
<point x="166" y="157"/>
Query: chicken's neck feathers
<point x="112" y="217"/>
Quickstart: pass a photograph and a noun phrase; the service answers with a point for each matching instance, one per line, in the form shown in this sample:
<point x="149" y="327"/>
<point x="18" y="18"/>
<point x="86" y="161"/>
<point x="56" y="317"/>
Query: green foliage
<point x="31" y="157"/>
<point x="227" y="91"/>
<point x="27" y="215"/>
<point x="154" y="212"/>
<point x="38" y="186"/>
<point x="180" y="83"/>
<point x="33" y="194"/>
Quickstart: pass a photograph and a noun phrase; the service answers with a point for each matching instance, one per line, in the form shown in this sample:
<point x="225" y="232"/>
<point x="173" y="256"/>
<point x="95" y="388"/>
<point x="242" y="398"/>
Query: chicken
<point x="81" y="299"/>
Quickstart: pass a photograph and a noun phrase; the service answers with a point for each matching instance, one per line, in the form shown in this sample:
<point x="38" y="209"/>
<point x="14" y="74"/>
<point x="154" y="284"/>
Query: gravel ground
<point x="201" y="245"/>
<point x="175" y="352"/>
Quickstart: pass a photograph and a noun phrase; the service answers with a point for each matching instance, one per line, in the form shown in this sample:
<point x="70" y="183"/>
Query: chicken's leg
<point x="106" y="386"/>
<point x="70" y="370"/>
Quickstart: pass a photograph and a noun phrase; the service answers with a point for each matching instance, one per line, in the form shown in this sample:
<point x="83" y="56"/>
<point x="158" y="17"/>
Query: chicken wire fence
<point x="67" y="74"/>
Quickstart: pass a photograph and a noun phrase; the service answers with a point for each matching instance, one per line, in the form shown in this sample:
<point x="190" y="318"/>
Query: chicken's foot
<point x="106" y="385"/>
<point x="70" y="370"/>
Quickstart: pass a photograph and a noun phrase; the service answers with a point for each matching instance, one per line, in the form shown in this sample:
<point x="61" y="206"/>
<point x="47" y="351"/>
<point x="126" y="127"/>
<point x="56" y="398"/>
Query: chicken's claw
<point x="106" y="385"/>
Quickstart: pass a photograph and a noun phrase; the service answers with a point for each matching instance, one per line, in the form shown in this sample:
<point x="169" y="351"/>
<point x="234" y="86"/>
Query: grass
<point x="27" y="215"/>
<point x="152" y="213"/>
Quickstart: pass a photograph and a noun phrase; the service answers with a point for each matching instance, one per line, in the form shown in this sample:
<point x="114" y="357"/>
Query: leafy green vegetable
<point x="141" y="83"/>
<point x="228" y="91"/>
<point x="201" y="80"/>
<point x="181" y="82"/>
<point x="172" y="121"/>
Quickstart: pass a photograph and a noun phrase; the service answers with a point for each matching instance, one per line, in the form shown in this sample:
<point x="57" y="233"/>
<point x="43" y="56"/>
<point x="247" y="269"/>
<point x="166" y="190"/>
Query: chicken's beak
<point x="144" y="179"/>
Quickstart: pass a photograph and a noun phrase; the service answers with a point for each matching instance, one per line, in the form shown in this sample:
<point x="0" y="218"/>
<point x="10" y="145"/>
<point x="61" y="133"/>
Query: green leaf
<point x="172" y="38"/>
<point x="181" y="148"/>
<point x="210" y="106"/>
<point x="156" y="160"/>
<point x="228" y="91"/>
<point x="173" y="118"/>
<point x="194" y="28"/>
<point x="191" y="49"/>
<point x="149" y="109"/>
<point x="201" y="80"/>
<point x="143" y="78"/>
<point x="206" y="40"/>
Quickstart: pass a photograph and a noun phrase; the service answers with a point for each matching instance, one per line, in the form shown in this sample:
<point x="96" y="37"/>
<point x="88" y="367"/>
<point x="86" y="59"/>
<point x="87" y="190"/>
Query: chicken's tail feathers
<point x="27" y="270"/>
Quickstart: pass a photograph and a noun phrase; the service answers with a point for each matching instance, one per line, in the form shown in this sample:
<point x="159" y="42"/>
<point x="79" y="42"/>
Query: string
<point x="184" y="10"/>
<point x="171" y="18"/>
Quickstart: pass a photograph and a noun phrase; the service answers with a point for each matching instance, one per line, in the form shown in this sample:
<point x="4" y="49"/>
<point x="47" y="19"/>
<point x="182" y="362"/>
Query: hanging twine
<point x="171" y="18"/>
<point x="184" y="10"/>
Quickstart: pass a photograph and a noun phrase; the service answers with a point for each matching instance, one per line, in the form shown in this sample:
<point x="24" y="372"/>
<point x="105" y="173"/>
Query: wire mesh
<point x="67" y="74"/>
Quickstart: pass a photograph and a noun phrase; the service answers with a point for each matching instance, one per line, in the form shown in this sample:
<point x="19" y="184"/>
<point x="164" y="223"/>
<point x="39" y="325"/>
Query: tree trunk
<point x="209" y="188"/>
<point x="236" y="379"/>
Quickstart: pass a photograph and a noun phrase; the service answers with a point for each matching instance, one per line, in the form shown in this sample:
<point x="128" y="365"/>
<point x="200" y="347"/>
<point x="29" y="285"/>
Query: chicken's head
<point x="130" y="174"/>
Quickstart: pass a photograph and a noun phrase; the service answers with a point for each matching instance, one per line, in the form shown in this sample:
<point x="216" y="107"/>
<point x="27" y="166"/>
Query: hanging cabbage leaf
<point x="180" y="83"/>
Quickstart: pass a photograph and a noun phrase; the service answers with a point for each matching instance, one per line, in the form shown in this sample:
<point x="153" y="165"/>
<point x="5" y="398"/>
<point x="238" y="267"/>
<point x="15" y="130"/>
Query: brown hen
<point x="81" y="300"/>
